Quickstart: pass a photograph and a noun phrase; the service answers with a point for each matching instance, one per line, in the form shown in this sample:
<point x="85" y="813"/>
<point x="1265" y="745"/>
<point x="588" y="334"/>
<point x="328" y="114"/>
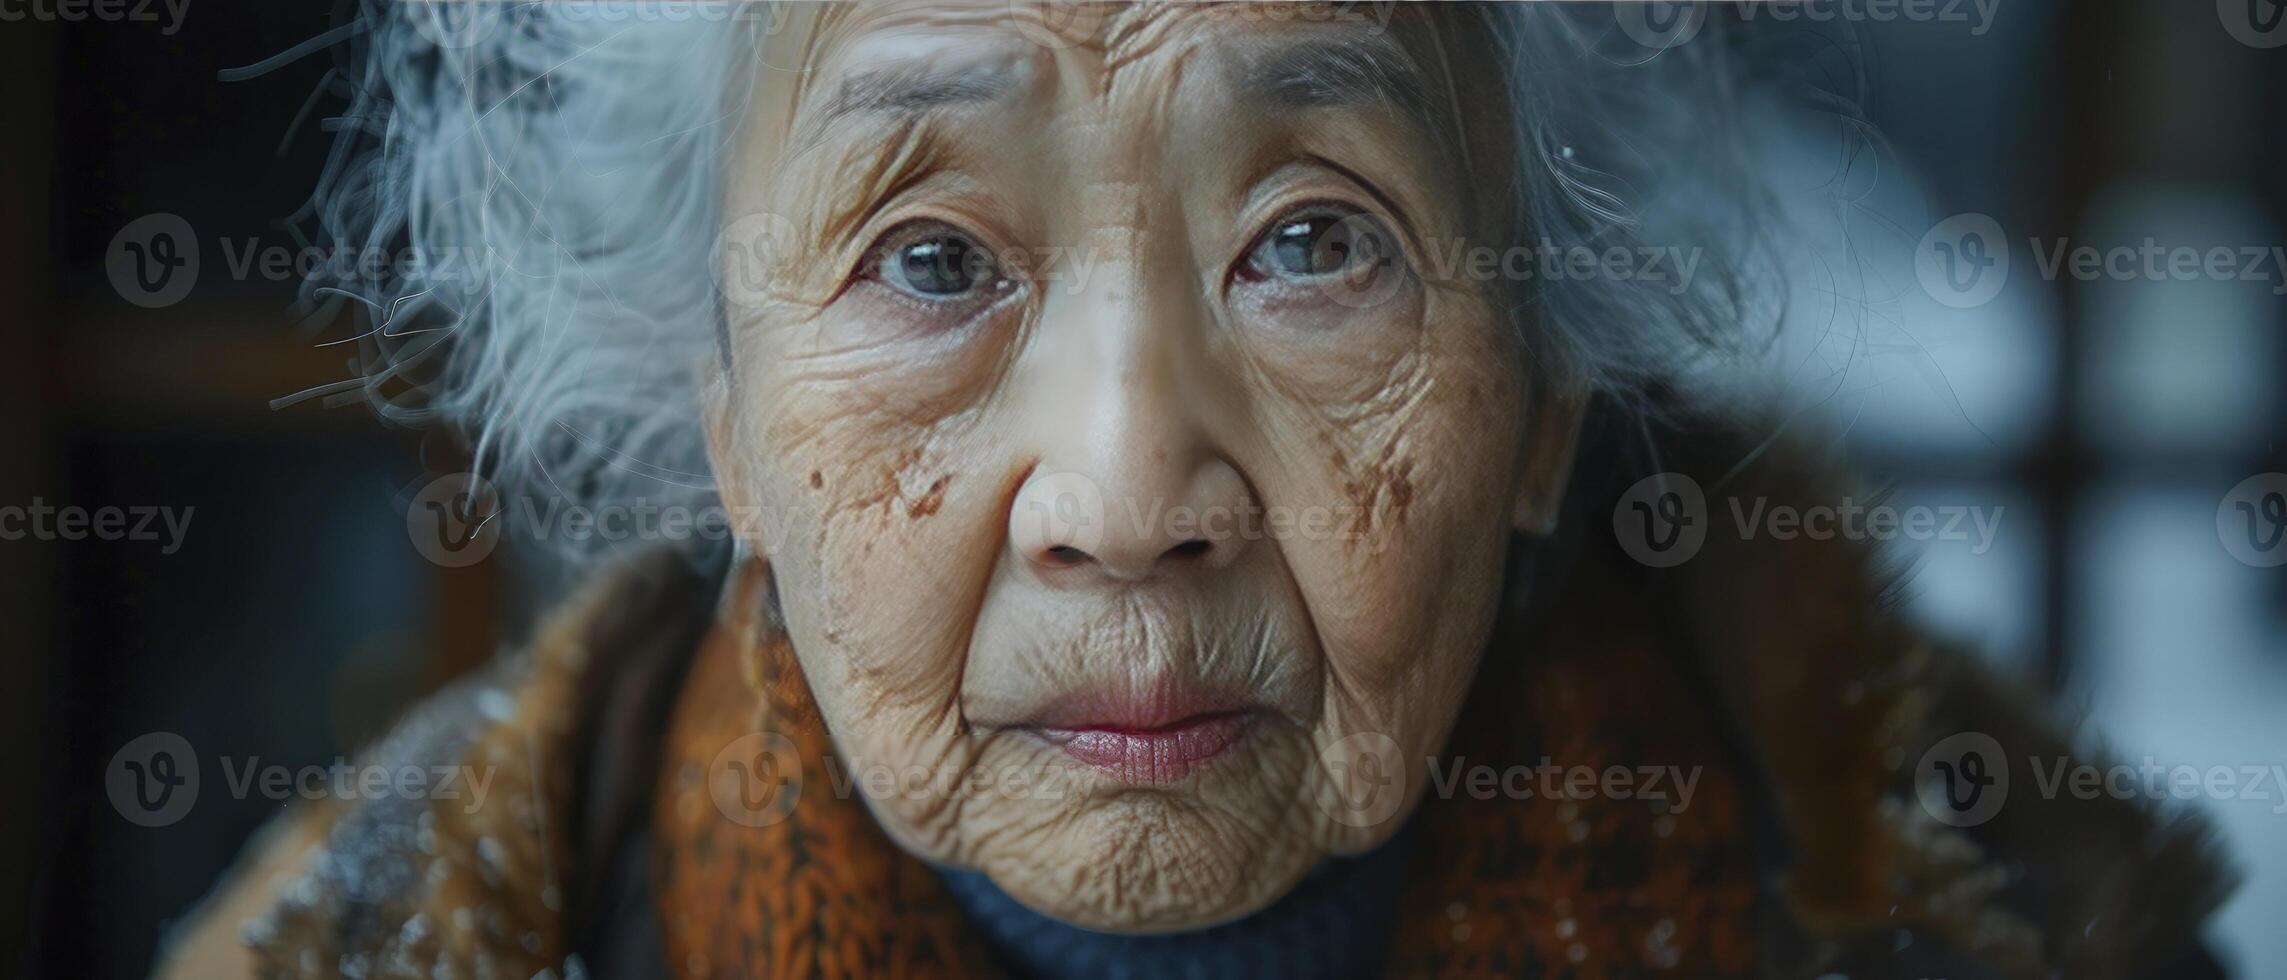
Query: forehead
<point x="913" y="55"/>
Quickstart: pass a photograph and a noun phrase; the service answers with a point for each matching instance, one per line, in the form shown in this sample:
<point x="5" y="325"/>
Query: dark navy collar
<point x="1335" y="923"/>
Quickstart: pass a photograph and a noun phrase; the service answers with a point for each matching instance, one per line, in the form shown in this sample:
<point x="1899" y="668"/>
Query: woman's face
<point x="1128" y="472"/>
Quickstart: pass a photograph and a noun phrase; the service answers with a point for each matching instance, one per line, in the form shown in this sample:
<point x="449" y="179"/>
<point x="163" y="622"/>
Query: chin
<point x="1156" y="849"/>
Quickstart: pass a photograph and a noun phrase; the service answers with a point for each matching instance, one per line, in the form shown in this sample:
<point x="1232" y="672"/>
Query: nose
<point x="1130" y="482"/>
<point x="1152" y="516"/>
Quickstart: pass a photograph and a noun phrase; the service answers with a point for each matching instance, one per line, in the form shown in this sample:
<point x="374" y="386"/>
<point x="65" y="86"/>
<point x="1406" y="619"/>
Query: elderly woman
<point x="1175" y="533"/>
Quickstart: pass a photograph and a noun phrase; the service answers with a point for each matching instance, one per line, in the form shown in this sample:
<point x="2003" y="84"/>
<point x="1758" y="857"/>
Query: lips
<point x="1149" y="737"/>
<point x="1151" y="756"/>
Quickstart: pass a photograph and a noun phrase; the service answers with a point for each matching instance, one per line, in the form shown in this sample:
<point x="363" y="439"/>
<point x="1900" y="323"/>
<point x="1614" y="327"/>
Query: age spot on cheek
<point x="1380" y="492"/>
<point x="929" y="501"/>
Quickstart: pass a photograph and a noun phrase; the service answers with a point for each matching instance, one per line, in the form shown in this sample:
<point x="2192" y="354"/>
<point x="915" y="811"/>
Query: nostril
<point x="1064" y="554"/>
<point x="1190" y="549"/>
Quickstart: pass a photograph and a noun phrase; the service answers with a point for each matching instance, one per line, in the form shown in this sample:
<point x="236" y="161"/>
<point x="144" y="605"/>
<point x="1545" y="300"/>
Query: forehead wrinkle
<point x="909" y="89"/>
<point x="1348" y="72"/>
<point x="1131" y="34"/>
<point x="907" y="95"/>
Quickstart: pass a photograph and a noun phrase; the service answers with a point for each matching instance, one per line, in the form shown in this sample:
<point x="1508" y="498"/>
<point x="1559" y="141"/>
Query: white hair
<point x="566" y="160"/>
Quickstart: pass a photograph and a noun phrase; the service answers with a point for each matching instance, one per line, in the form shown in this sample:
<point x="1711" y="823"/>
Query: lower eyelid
<point x="940" y="314"/>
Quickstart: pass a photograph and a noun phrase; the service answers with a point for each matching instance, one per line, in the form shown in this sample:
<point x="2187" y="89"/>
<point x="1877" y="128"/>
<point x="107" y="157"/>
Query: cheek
<point x="875" y="498"/>
<point x="1414" y="483"/>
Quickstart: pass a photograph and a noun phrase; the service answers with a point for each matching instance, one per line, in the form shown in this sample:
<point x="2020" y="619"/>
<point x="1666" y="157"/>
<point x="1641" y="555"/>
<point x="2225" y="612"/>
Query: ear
<point x="1552" y="441"/>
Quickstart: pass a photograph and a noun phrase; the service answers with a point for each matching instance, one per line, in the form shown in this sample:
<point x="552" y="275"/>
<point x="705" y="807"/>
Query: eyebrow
<point x="909" y="93"/>
<point x="1344" y="73"/>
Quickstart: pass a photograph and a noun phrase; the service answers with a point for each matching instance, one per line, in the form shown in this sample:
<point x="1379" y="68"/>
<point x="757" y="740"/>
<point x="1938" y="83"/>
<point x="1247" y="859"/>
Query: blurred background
<point x="2109" y="426"/>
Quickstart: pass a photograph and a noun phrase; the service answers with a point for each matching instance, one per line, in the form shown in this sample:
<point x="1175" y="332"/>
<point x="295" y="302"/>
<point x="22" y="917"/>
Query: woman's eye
<point x="934" y="262"/>
<point x="1320" y="244"/>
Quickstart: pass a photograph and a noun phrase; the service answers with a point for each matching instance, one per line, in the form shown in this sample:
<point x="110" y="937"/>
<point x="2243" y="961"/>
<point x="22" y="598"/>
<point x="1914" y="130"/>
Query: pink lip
<point x="1157" y="734"/>
<point x="1150" y="756"/>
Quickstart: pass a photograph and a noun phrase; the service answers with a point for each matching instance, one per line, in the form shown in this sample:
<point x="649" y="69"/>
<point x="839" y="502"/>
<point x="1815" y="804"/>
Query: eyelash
<point x="960" y="259"/>
<point x="1351" y="232"/>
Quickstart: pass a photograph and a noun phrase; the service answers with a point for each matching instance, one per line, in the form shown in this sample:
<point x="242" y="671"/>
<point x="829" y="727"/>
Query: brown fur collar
<point x="1776" y="666"/>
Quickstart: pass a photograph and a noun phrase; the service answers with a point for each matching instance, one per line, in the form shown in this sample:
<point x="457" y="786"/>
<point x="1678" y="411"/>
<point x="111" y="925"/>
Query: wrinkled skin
<point x="971" y="487"/>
